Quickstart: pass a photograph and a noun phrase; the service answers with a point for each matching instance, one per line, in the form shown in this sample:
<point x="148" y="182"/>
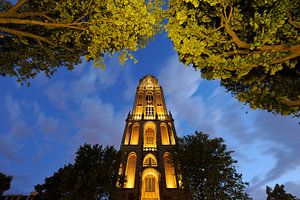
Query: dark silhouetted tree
<point x="4" y="183"/>
<point x="92" y="176"/>
<point x="278" y="193"/>
<point x="207" y="169"/>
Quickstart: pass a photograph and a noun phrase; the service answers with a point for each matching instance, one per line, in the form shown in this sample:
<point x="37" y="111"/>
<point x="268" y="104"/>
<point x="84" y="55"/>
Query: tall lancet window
<point x="169" y="172"/>
<point x="149" y="135"/>
<point x="130" y="170"/>
<point x="149" y="106"/>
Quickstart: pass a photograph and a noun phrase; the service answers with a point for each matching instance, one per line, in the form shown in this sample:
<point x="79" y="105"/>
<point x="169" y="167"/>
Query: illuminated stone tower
<point x="148" y="140"/>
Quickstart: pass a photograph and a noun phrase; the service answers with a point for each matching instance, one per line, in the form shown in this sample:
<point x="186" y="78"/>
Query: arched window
<point x="127" y="136"/>
<point x="149" y="135"/>
<point x="172" y="135"/>
<point x="169" y="172"/>
<point x="150" y="185"/>
<point x="130" y="170"/>
<point x="134" y="140"/>
<point x="149" y="99"/>
<point x="149" y="161"/>
<point x="149" y="112"/>
<point x="164" y="134"/>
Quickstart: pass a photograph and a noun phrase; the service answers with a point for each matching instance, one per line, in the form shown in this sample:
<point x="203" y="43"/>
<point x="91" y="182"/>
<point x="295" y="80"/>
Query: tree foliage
<point x="265" y="91"/>
<point x="4" y="182"/>
<point x="42" y="35"/>
<point x="92" y="176"/>
<point x="278" y="193"/>
<point x="241" y="41"/>
<point x="207" y="168"/>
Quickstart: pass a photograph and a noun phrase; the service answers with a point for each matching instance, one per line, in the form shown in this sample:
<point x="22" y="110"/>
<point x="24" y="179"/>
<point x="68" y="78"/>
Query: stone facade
<point x="149" y="139"/>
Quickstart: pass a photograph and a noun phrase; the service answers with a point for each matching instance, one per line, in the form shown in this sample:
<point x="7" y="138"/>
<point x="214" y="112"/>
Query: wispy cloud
<point x="99" y="122"/>
<point x="275" y="137"/>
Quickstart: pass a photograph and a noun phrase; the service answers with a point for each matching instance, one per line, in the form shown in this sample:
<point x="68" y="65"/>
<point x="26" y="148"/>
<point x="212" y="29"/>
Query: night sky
<point x="43" y="125"/>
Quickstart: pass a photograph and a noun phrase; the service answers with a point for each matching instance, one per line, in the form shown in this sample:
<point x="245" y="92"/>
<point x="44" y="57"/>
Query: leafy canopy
<point x="42" y="35"/>
<point x="248" y="44"/>
<point x="207" y="168"/>
<point x="92" y="176"/>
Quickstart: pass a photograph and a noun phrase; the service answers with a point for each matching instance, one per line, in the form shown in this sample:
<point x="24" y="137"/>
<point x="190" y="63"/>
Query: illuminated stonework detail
<point x="149" y="161"/>
<point x="134" y="140"/>
<point x="150" y="186"/>
<point x="164" y="134"/>
<point x="169" y="172"/>
<point x="120" y="174"/>
<point x="127" y="136"/>
<point x="172" y="135"/>
<point x="130" y="170"/>
<point x="149" y="103"/>
<point x="149" y="133"/>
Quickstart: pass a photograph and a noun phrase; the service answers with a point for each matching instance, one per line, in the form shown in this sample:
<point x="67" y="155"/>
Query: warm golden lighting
<point x="150" y="187"/>
<point x="164" y="134"/>
<point x="149" y="135"/>
<point x="130" y="170"/>
<point x="120" y="173"/>
<point x="172" y="135"/>
<point x="169" y="172"/>
<point x="150" y="160"/>
<point x="134" y="140"/>
<point x="127" y="136"/>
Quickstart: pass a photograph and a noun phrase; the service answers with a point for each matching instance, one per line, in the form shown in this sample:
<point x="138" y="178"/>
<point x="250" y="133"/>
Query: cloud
<point x="13" y="107"/>
<point x="47" y="124"/>
<point x="58" y="94"/>
<point x="207" y="111"/>
<point x="9" y="147"/>
<point x="99" y="123"/>
<point x="218" y="113"/>
<point x="180" y="85"/>
<point x="283" y="132"/>
<point x="20" y="128"/>
<point x="293" y="188"/>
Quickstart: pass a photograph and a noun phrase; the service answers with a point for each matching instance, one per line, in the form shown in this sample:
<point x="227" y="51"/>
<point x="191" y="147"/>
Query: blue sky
<point x="42" y="126"/>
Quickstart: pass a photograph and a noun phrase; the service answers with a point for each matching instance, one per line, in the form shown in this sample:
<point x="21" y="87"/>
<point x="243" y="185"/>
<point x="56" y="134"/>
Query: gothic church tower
<point x="148" y="140"/>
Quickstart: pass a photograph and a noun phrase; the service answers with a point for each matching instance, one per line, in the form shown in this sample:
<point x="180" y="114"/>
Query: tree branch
<point x="25" y="14"/>
<point x="16" y="7"/>
<point x="235" y="38"/>
<point x="25" y="34"/>
<point x="293" y="23"/>
<point x="288" y="102"/>
<point x="87" y="11"/>
<point x="39" y="23"/>
<point x="244" y="45"/>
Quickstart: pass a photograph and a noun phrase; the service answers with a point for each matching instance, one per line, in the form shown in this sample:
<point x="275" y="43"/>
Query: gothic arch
<point x="164" y="134"/>
<point x="172" y="137"/>
<point x="150" y="184"/>
<point x="130" y="170"/>
<point x="134" y="140"/>
<point x="127" y="136"/>
<point x="149" y="135"/>
<point x="170" y="176"/>
<point x="149" y="160"/>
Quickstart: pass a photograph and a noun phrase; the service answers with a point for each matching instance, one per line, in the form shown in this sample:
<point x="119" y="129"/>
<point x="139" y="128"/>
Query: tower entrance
<point x="150" y="185"/>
